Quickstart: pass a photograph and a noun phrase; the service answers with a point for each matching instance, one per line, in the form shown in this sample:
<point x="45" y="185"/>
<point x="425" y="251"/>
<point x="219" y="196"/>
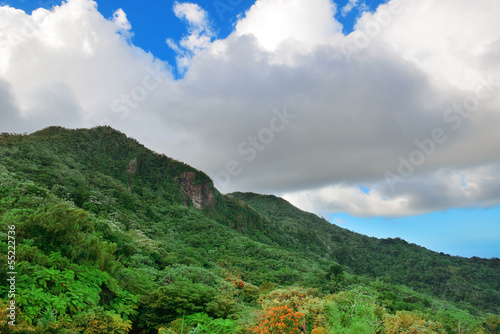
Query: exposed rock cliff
<point x="199" y="192"/>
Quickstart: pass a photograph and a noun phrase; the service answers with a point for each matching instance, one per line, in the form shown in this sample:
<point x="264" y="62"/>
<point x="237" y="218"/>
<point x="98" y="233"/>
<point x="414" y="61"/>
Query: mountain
<point x="111" y="237"/>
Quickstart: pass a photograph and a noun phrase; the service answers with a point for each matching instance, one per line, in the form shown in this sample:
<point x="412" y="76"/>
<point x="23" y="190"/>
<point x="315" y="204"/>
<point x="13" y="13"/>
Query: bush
<point x="354" y="312"/>
<point x="411" y="323"/>
<point x="98" y="321"/>
<point x="172" y="301"/>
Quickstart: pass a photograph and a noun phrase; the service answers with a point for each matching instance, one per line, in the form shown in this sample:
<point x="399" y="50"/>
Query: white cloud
<point x="358" y="109"/>
<point x="199" y="29"/>
<point x="273" y="22"/>
<point x="121" y="21"/>
<point x="348" y="7"/>
<point x="439" y="38"/>
<point x="339" y="198"/>
<point x="66" y="66"/>
<point x="435" y="191"/>
<point x="363" y="7"/>
<point x="192" y="13"/>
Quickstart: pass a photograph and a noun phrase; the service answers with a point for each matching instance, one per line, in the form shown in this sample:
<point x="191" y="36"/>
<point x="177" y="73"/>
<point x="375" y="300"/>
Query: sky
<point x="381" y="116"/>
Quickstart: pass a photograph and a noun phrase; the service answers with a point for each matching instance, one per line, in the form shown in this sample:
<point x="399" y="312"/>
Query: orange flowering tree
<point x="281" y="320"/>
<point x="237" y="283"/>
<point x="304" y="300"/>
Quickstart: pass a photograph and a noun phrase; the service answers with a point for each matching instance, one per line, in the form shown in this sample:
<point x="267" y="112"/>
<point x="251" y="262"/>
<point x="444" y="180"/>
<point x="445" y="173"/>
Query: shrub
<point x="410" y="323"/>
<point x="354" y="312"/>
<point x="172" y="301"/>
<point x="281" y="320"/>
<point x="98" y="321"/>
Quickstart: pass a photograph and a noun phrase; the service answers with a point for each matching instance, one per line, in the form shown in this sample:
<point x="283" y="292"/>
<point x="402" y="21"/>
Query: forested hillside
<point x="475" y="281"/>
<point x="111" y="237"/>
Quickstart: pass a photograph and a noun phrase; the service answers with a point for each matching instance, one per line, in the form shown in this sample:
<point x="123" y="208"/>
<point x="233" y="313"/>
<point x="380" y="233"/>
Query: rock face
<point x="200" y="193"/>
<point x="131" y="170"/>
<point x="132" y="166"/>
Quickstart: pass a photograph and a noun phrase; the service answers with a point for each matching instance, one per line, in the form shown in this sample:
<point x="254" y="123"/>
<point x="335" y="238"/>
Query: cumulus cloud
<point x="286" y="104"/>
<point x="274" y="22"/>
<point x="9" y="118"/>
<point x="351" y="5"/>
<point x="434" y="191"/>
<point x="67" y="65"/>
<point x="348" y="7"/>
<point x="438" y="37"/>
<point x="121" y="21"/>
<point x="199" y="29"/>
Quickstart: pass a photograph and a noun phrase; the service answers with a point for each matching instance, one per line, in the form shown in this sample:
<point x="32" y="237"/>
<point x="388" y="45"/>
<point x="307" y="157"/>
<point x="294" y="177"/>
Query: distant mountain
<point x="112" y="237"/>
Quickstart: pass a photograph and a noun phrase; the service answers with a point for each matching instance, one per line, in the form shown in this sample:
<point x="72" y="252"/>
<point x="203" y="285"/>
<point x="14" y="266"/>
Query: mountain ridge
<point x="148" y="223"/>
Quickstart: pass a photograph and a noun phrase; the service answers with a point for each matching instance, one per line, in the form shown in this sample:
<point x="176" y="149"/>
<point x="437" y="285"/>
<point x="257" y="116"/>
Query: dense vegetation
<point x="466" y="281"/>
<point x="108" y="240"/>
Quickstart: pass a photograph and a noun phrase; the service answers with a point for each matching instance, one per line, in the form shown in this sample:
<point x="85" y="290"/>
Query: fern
<point x="47" y="318"/>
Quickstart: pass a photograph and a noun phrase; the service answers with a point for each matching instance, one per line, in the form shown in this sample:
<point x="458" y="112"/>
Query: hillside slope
<point x="114" y="238"/>
<point x="394" y="260"/>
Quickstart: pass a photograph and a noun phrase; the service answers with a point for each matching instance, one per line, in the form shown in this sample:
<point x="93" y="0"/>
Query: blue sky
<point x="389" y="129"/>
<point x="460" y="232"/>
